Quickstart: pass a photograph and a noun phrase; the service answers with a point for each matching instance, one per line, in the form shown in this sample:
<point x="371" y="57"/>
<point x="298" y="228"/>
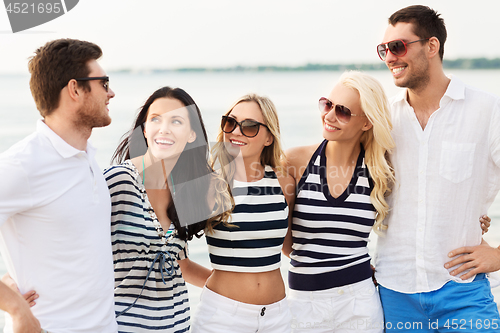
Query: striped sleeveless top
<point x="145" y="259"/>
<point x="330" y="234"/>
<point x="259" y="224"/>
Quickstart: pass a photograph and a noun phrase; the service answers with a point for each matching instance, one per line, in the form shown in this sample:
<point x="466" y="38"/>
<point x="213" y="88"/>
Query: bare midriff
<point x="251" y="288"/>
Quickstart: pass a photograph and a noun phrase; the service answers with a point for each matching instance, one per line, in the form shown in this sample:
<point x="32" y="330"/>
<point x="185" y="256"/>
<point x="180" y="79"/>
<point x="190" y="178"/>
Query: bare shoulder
<point x="137" y="162"/>
<point x="297" y="158"/>
<point x="287" y="183"/>
<point x="284" y="178"/>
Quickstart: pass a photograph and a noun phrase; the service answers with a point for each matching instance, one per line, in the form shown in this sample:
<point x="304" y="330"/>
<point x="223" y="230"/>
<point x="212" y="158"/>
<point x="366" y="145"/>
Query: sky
<point x="147" y="34"/>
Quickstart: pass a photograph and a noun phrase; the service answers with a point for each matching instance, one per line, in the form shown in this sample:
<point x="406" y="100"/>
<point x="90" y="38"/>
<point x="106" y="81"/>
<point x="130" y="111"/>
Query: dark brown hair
<point x="54" y="65"/>
<point x="190" y="168"/>
<point x="426" y="22"/>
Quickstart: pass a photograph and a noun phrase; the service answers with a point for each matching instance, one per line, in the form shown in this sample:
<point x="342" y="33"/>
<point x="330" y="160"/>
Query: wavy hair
<point x="377" y="141"/>
<point x="271" y="155"/>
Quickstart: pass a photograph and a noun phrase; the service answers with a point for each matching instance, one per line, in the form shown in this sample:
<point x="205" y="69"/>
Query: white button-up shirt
<point x="447" y="174"/>
<point x="55" y="232"/>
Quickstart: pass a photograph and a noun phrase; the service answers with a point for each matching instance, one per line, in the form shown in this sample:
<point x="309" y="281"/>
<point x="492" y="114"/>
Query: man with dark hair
<point x="54" y="202"/>
<point x="447" y="165"/>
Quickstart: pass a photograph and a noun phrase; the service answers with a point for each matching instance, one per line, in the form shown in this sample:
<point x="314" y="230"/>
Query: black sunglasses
<point x="342" y="113"/>
<point x="396" y="47"/>
<point x="249" y="128"/>
<point x="105" y="80"/>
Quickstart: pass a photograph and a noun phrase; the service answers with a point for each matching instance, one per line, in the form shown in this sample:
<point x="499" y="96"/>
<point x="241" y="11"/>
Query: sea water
<point x="295" y="95"/>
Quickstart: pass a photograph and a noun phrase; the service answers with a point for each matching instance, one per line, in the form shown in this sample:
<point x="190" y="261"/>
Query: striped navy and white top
<point x="259" y="224"/>
<point x="330" y="234"/>
<point x="139" y="243"/>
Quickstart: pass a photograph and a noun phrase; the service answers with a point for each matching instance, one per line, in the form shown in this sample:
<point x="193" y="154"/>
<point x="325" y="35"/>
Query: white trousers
<point x="347" y="309"/>
<point x="218" y="314"/>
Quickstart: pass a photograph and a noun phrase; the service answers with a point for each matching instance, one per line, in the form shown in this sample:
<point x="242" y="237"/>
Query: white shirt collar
<point x="455" y="91"/>
<point x="62" y="147"/>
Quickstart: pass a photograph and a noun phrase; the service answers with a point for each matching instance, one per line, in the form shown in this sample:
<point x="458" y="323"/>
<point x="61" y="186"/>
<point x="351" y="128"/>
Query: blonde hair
<point x="377" y="141"/>
<point x="271" y="155"/>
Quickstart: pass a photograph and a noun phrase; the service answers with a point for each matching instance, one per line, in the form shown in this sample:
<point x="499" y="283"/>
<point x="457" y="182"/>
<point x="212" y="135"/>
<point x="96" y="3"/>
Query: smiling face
<point x="251" y="148"/>
<point x="411" y="70"/>
<point x="333" y="130"/>
<point x="94" y="112"/>
<point x="167" y="128"/>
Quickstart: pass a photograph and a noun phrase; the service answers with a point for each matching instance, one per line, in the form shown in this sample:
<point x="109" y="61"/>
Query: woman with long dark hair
<point x="160" y="193"/>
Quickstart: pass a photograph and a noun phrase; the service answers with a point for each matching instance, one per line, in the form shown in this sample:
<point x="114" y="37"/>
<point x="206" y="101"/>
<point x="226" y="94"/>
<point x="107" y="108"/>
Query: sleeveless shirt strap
<point x="310" y="165"/>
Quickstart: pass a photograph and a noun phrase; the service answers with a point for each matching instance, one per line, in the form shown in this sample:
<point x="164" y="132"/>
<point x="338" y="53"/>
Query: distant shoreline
<point x="462" y="63"/>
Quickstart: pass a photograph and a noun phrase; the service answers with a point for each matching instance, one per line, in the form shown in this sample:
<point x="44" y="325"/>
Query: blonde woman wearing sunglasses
<point x="246" y="292"/>
<point x="341" y="189"/>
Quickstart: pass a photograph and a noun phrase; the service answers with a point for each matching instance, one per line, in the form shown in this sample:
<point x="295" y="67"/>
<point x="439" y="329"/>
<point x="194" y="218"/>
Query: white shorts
<point x="218" y="314"/>
<point x="347" y="309"/>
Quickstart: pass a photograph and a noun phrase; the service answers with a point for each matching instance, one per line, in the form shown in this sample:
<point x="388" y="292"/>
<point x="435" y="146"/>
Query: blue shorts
<point x="455" y="307"/>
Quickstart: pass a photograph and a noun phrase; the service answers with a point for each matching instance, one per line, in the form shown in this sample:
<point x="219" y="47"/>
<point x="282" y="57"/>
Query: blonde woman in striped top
<point x="341" y="189"/>
<point x="246" y="292"/>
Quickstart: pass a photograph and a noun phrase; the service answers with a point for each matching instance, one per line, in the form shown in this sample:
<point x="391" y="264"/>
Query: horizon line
<point x="459" y="63"/>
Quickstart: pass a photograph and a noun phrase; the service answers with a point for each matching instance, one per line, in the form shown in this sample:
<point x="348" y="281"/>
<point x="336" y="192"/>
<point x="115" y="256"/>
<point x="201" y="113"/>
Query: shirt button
<point x="420" y="229"/>
<point x="340" y="292"/>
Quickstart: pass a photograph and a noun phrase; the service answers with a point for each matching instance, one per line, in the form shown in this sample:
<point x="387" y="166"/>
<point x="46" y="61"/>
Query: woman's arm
<point x="295" y="163"/>
<point x="287" y="244"/>
<point x="288" y="187"/>
<point x="194" y="273"/>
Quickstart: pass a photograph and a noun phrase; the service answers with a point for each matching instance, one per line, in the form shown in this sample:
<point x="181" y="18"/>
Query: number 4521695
<point x="25" y="8"/>
<point x="463" y="324"/>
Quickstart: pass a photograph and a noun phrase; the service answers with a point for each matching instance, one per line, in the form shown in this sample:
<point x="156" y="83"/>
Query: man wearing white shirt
<point x="447" y="165"/>
<point x="54" y="203"/>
